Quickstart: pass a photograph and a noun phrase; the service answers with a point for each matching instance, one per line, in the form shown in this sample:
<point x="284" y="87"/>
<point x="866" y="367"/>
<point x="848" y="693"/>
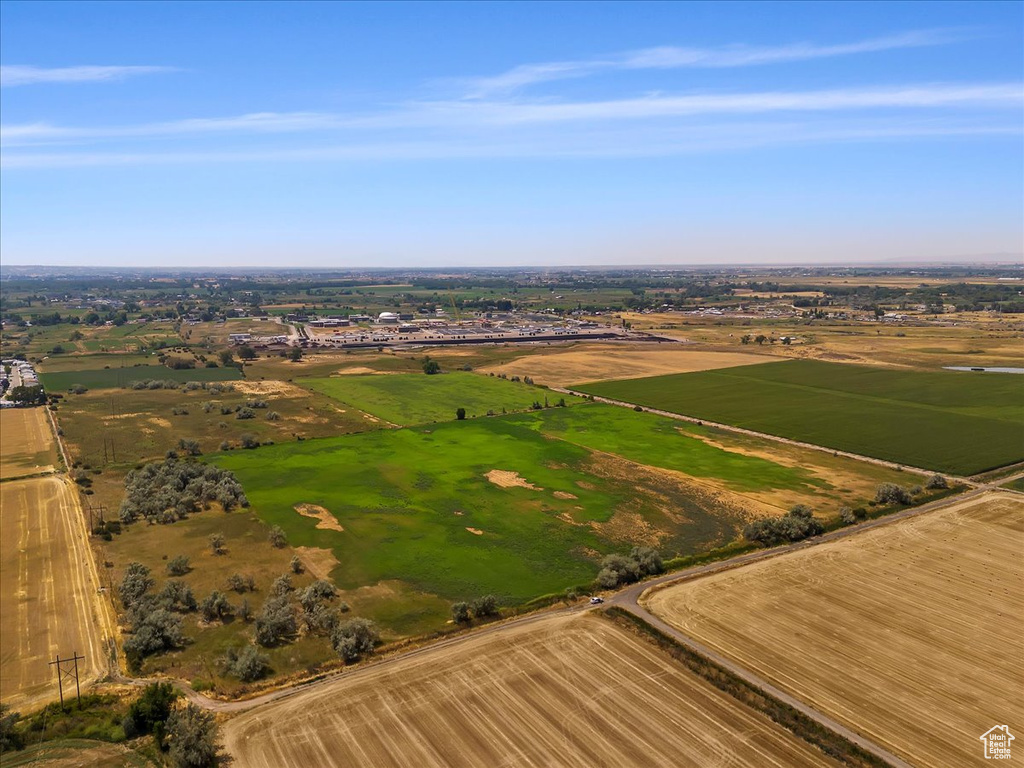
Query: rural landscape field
<point x="909" y="634"/>
<point x="511" y="385"/>
<point x="571" y="690"/>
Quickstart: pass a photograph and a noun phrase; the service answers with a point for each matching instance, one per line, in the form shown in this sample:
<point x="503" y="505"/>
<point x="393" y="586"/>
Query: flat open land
<point x="26" y="442"/>
<point x="606" y="362"/>
<point x="415" y="398"/>
<point x="911" y="634"/>
<point x="50" y="598"/>
<point x="945" y="421"/>
<point x="526" y="504"/>
<point x="110" y="378"/>
<point x="565" y="690"/>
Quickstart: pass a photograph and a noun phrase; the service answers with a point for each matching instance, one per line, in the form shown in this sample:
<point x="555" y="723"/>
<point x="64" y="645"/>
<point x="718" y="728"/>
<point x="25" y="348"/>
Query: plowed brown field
<point x="48" y="596"/>
<point x="599" y="363"/>
<point x="911" y="634"/>
<point x="26" y="442"/>
<point x="561" y="691"/>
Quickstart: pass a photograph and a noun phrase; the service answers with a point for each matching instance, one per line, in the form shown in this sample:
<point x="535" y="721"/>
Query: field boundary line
<point x="669" y="634"/>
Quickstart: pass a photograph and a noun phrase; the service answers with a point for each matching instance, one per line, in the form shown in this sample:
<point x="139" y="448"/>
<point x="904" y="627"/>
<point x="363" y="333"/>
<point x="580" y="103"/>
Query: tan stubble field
<point x="49" y="599"/>
<point x="565" y="690"/>
<point x="911" y="634"/>
<point x="26" y="442"/>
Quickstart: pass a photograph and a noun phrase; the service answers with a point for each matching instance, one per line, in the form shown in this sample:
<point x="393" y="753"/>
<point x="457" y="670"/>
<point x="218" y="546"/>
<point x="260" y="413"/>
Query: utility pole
<point x="64" y="671"/>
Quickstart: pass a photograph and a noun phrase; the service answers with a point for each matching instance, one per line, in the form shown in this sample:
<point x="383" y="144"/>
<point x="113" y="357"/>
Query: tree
<point x="354" y="638"/>
<point x="430" y="367"/>
<point x="460" y="612"/>
<point x="890" y="493"/>
<point x="245" y="352"/>
<point x="134" y="584"/>
<point x="216" y="543"/>
<point x="178" y="566"/>
<point x="152" y="707"/>
<point x="226" y="357"/>
<point x="10" y="739"/>
<point x="276" y="622"/>
<point x="193" y="737"/>
<point x="485" y="606"/>
<point x="191" y="447"/>
<point x="760" y="339"/>
<point x="177" y="596"/>
<point x="247" y="664"/>
<point x="277" y="537"/>
<point x="215" y="606"/>
<point x="295" y="354"/>
<point x="78" y="389"/>
<point x="460" y="414"/>
<point x="23" y="395"/>
<point x="282" y="585"/>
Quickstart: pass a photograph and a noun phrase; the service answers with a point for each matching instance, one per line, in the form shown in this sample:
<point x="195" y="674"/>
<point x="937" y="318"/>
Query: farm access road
<point x="628" y="599"/>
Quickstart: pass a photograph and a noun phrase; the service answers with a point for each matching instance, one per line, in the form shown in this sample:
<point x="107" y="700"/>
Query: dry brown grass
<point x="506" y="479"/>
<point x="912" y="634"/>
<point x="565" y="690"/>
<point x="597" y="362"/>
<point x="26" y="442"/>
<point x="50" y="596"/>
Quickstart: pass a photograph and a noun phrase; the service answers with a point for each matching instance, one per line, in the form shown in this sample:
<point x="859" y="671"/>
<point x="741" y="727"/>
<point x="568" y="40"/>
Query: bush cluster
<point x="795" y="525"/>
<point x="170" y="490"/>
<point x="617" y="570"/>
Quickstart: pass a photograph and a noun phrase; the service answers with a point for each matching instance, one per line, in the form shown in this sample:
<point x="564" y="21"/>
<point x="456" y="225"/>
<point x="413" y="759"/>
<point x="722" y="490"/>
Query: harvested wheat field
<point x="601" y="363"/>
<point x="26" y="442"/>
<point x="911" y="634"/>
<point x="50" y="600"/>
<point x="561" y="690"/>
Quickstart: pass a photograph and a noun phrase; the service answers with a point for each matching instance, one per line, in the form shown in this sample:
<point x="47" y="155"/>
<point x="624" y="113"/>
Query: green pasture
<point x="661" y="442"/>
<point x="406" y="499"/>
<point x="415" y="398"/>
<point x="942" y="420"/>
<point x="109" y="378"/>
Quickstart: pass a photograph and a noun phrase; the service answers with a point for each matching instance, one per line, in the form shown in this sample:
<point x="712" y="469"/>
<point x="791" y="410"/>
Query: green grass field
<point x="406" y="499"/>
<point x="110" y="378"/>
<point x="415" y="398"/>
<point x="945" y="421"/>
<point x="1015" y="485"/>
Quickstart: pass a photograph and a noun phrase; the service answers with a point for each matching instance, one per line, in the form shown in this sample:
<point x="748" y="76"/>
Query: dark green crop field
<point x="415" y="398"/>
<point x="111" y="378"/>
<point x="947" y="421"/>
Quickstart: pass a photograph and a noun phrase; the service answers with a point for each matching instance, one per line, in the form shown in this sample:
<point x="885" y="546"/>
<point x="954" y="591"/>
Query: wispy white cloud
<point x="672" y="57"/>
<point x="610" y="142"/>
<point x="14" y="74"/>
<point x="468" y="115"/>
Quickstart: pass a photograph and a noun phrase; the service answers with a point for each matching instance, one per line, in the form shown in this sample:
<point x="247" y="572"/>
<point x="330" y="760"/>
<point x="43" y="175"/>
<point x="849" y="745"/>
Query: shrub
<point x="354" y="638"/>
<point x="216" y="541"/>
<point x="890" y="493"/>
<point x="178" y="566"/>
<point x="847" y="516"/>
<point x="193" y="737"/>
<point x="215" y="606"/>
<point x="460" y="612"/>
<point x="295" y="564"/>
<point x="797" y="524"/>
<point x="485" y="606"/>
<point x="177" y="596"/>
<point x="277" y="537"/>
<point x="276" y="622"/>
<point x="171" y="490"/>
<point x="937" y="482"/>
<point x="619" y="569"/>
<point x="247" y="664"/>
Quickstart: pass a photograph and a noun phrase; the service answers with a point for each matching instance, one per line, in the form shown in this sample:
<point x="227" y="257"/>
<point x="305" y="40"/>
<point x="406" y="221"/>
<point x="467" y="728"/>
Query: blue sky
<point x="355" y="135"/>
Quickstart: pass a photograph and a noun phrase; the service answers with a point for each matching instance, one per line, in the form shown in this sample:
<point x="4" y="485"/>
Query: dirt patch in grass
<point x="271" y="388"/>
<point x="319" y="562"/>
<point x="160" y="422"/>
<point x="475" y="531"/>
<point x="505" y="479"/>
<point x="631" y="527"/>
<point x="324" y="518"/>
<point x="565" y="495"/>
